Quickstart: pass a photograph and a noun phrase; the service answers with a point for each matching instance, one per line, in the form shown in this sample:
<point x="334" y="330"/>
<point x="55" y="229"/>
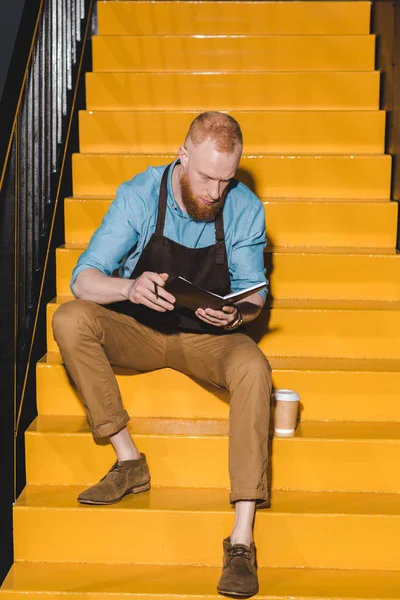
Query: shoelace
<point x="240" y="552"/>
<point x="115" y="468"/>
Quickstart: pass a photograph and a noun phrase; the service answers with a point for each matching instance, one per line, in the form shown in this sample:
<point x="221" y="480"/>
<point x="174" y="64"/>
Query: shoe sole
<point x="236" y="594"/>
<point x="134" y="490"/>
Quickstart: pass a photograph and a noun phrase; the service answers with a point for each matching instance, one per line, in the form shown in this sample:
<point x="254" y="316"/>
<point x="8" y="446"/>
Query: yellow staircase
<point x="300" y="78"/>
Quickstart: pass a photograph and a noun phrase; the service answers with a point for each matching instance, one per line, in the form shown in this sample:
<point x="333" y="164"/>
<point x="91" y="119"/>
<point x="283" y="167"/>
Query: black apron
<point x="205" y="267"/>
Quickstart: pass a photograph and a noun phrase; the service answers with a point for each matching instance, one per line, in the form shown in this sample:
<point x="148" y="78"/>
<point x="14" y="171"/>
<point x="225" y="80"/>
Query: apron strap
<point x="162" y="202"/>
<point x="220" y="239"/>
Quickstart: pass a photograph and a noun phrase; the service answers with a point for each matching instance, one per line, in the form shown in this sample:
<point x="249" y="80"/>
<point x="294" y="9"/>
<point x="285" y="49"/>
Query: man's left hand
<point x="218" y="318"/>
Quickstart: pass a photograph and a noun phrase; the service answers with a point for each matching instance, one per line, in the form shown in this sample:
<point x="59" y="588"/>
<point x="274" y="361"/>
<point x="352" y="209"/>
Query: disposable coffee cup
<point x="286" y="409"/>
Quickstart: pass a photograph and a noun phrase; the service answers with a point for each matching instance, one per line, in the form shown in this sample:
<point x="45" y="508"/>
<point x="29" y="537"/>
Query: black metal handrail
<point x="32" y="180"/>
<point x="35" y="159"/>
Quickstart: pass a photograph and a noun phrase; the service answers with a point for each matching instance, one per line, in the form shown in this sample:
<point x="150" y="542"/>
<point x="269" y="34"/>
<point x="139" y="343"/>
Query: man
<point x="193" y="219"/>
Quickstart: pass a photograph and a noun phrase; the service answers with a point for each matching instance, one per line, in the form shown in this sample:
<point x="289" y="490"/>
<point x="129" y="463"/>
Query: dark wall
<point x="18" y="20"/>
<point x="386" y="26"/>
<point x="10" y="16"/>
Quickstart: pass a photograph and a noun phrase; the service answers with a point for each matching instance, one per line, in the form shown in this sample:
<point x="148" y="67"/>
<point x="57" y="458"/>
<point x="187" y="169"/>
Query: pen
<point x="156" y="290"/>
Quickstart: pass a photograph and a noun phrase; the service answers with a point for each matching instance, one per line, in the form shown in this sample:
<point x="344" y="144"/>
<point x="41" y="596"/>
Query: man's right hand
<point x="143" y="291"/>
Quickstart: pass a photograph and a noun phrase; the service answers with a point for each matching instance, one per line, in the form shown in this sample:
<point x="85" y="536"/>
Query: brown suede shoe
<point x="239" y="574"/>
<point x="125" y="477"/>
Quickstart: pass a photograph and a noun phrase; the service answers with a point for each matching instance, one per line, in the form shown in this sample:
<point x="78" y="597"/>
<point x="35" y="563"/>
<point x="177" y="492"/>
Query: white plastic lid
<point x="287" y="395"/>
<point x="284" y="433"/>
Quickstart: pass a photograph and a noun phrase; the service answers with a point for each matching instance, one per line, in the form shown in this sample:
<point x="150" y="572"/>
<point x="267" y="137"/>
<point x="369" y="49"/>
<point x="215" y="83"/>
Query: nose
<point x="214" y="190"/>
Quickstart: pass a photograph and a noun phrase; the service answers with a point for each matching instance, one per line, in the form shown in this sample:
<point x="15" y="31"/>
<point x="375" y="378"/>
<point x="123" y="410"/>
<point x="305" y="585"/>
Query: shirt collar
<point x="172" y="203"/>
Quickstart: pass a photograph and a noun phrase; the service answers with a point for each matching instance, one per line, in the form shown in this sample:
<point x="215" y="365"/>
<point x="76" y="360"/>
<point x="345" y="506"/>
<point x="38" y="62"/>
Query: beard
<point x="195" y="208"/>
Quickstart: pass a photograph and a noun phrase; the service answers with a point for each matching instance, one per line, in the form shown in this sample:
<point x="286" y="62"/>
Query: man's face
<point x="205" y="178"/>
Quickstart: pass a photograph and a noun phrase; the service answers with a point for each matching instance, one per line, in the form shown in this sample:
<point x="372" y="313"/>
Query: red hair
<point x="219" y="127"/>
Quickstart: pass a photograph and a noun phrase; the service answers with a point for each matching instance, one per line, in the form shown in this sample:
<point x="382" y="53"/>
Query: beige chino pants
<point x="93" y="338"/>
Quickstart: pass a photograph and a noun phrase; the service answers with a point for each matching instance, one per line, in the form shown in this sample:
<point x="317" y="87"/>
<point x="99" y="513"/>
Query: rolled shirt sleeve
<point x="116" y="237"/>
<point x="246" y="262"/>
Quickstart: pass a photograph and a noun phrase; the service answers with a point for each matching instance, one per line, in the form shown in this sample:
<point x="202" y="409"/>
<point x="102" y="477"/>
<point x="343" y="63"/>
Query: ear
<point x="183" y="156"/>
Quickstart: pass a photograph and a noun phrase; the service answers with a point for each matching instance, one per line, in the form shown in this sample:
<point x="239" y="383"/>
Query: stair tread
<point x="160" y="426"/>
<point x="182" y="580"/>
<point x="237" y="71"/>
<point x="272" y="132"/>
<point x="304" y="304"/>
<point x="294" y="363"/>
<point x="250" y="17"/>
<point x="247" y="111"/>
<point x="269" y="200"/>
<point x="228" y="90"/>
<point x="316" y="155"/>
<point x="309" y="250"/>
<point x="215" y="500"/>
<point x="232" y="35"/>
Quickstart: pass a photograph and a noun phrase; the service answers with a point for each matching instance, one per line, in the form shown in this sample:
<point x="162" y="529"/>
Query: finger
<point x="150" y="296"/>
<point x="152" y="305"/>
<point x="212" y="314"/>
<point x="205" y="320"/>
<point x="162" y="293"/>
<point x="229" y="309"/>
<point x="216" y="314"/>
<point x="153" y="277"/>
<point x="211" y="320"/>
<point x="148" y="281"/>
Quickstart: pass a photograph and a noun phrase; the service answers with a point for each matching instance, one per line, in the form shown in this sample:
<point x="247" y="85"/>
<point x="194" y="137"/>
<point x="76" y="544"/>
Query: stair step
<point x="268" y="175"/>
<point x="329" y="391"/>
<point x="301" y="273"/>
<point x="334" y="525"/>
<point x="337" y="90"/>
<point x="234" y="53"/>
<point x="130" y="18"/>
<point x="187" y="526"/>
<point x="325" y="132"/>
<point x="92" y="581"/>
<point x="194" y="453"/>
<point x="314" y="329"/>
<point x="289" y="223"/>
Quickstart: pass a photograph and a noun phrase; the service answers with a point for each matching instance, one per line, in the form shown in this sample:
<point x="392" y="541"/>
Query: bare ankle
<point x="131" y="455"/>
<point x="124" y="458"/>
<point x="241" y="537"/>
<point x="123" y="445"/>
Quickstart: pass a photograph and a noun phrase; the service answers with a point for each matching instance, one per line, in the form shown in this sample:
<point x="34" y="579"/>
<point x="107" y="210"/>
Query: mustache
<point x="195" y="208"/>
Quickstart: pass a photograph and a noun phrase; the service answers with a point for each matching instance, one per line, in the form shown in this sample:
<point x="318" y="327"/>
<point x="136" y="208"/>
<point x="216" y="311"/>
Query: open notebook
<point x="192" y="296"/>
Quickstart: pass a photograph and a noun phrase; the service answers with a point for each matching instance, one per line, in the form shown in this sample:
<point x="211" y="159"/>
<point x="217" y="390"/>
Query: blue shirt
<point x="131" y="220"/>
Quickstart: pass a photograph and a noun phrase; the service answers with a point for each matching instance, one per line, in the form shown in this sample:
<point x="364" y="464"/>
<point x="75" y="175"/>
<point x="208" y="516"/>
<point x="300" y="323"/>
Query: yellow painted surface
<point x="234" y="53"/>
<point x="49" y="522"/>
<point x="338" y="330"/>
<point x="332" y="333"/>
<point x="233" y="91"/>
<point x="329" y="224"/>
<point x="335" y="132"/>
<point x="233" y="17"/>
<point x="289" y="223"/>
<point x="361" y="457"/>
<point x="302" y="273"/>
<point x="299" y="78"/>
<point x="269" y="176"/>
<point x="336" y="393"/>
<point x="152" y="581"/>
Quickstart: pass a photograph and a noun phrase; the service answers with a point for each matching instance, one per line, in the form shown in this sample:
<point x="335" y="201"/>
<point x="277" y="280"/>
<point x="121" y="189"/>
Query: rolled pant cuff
<point x="261" y="498"/>
<point x="110" y="428"/>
